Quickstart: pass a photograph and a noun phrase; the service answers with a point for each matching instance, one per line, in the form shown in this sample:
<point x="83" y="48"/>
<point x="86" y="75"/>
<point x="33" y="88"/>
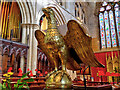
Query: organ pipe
<point x="10" y="19"/>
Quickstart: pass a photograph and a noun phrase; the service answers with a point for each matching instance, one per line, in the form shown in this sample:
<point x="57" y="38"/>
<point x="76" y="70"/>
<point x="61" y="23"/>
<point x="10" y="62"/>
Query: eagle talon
<point x="59" y="79"/>
<point x="50" y="73"/>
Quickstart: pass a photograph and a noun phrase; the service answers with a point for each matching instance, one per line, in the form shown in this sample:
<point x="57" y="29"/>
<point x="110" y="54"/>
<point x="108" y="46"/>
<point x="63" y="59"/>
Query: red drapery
<point x="101" y="57"/>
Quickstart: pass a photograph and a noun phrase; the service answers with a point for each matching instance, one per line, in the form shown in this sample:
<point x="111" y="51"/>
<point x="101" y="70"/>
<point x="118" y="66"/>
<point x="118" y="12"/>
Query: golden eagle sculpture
<point x="71" y="50"/>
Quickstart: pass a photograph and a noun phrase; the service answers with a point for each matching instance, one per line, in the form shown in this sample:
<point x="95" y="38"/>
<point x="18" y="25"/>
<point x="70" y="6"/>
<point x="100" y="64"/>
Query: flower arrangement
<point x="6" y="81"/>
<point x="20" y="84"/>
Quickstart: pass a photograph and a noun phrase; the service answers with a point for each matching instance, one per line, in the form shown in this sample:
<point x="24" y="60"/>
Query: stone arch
<point x="27" y="11"/>
<point x="28" y="28"/>
<point x="58" y="14"/>
<point x="31" y="11"/>
<point x="22" y="11"/>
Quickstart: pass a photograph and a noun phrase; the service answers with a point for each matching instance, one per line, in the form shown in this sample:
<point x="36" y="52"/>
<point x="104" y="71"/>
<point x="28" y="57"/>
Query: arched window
<point x="117" y="18"/>
<point x="10" y="20"/>
<point x="102" y="30"/>
<point x="79" y="12"/>
<point x="109" y="21"/>
<point x="43" y="24"/>
<point x="107" y="29"/>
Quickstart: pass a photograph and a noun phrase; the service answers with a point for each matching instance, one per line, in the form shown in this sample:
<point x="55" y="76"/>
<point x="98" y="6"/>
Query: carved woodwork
<point x="42" y="62"/>
<point x="112" y="63"/>
<point x="109" y="64"/>
<point x="115" y="64"/>
<point x="109" y="67"/>
<point x="9" y="51"/>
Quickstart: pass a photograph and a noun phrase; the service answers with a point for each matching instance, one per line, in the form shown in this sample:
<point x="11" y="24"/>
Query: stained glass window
<point x="117" y="18"/>
<point x="108" y="7"/>
<point x="109" y="20"/>
<point x="102" y="9"/>
<point x="112" y="27"/>
<point x="104" y="4"/>
<point x="102" y="30"/>
<point x="107" y="29"/>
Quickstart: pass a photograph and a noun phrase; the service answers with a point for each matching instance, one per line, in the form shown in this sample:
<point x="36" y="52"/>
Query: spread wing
<point x="80" y="44"/>
<point x="45" y="48"/>
<point x="51" y="56"/>
<point x="72" y="64"/>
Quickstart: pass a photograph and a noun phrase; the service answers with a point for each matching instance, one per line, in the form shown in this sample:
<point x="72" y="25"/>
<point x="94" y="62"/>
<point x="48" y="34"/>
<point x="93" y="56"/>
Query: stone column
<point x="80" y="12"/>
<point x="64" y="3"/>
<point x="34" y="53"/>
<point x="22" y="60"/>
<point x="67" y="6"/>
<point x="29" y="56"/>
<point x="27" y="35"/>
<point x="70" y="6"/>
<point x="73" y="7"/>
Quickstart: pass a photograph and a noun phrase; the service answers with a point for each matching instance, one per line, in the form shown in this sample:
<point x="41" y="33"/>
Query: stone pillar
<point x="22" y="60"/>
<point x="24" y="34"/>
<point x="29" y="56"/>
<point x="64" y="3"/>
<point x="73" y="8"/>
<point x="80" y="12"/>
<point x="67" y="6"/>
<point x="70" y="6"/>
<point x="28" y="35"/>
<point x="34" y="53"/>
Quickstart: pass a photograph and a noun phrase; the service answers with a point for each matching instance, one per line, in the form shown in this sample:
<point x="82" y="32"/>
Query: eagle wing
<point x="80" y="44"/>
<point x="51" y="57"/>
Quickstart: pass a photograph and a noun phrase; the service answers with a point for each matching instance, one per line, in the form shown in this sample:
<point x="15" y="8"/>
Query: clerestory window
<point x="109" y="21"/>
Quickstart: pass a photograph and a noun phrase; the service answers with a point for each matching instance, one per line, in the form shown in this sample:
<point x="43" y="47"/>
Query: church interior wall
<point x="31" y="13"/>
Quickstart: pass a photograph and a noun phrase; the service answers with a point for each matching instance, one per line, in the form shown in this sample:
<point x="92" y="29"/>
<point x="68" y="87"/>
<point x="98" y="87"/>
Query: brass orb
<point x="59" y="79"/>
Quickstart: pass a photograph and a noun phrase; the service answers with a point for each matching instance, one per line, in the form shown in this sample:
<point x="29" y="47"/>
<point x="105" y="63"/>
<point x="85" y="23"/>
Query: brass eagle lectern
<point x="71" y="50"/>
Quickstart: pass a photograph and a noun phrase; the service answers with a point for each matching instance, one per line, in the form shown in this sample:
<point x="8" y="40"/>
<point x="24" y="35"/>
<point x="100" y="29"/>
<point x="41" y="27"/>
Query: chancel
<point x="60" y="44"/>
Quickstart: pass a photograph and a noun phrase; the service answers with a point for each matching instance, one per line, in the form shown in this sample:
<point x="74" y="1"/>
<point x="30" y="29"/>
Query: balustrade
<point x="43" y="64"/>
<point x="10" y="53"/>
